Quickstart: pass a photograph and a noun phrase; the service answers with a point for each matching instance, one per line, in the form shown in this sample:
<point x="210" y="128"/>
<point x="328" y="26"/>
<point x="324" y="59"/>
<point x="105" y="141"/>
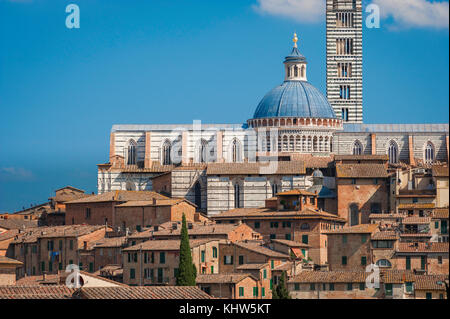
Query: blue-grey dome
<point x="294" y="99"/>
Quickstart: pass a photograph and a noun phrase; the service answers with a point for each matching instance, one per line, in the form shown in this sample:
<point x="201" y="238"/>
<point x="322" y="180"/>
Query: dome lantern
<point x="295" y="64"/>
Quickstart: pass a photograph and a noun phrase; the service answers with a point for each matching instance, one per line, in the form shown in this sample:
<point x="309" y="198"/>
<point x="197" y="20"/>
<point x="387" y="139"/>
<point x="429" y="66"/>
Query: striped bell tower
<point x="344" y="59"/>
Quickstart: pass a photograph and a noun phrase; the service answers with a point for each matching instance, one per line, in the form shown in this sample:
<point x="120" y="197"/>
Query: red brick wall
<point x="76" y="213"/>
<point x="353" y="249"/>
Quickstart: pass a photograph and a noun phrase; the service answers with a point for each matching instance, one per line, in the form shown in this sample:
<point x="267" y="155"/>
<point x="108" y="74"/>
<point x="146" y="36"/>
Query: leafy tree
<point x="186" y="269"/>
<point x="281" y="291"/>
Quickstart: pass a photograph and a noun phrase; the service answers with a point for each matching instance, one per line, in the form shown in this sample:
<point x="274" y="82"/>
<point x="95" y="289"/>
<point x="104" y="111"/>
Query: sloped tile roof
<point x="251" y="266"/>
<point x="170" y="244"/>
<point x="110" y="242"/>
<point x="423" y="247"/>
<point x="397" y="276"/>
<point x="9" y="261"/>
<point x="12" y="223"/>
<point x="166" y="292"/>
<point x="429" y="282"/>
<point x="440" y="171"/>
<point x="358" y="229"/>
<point x="232" y="278"/>
<point x="282" y="167"/>
<point x="308" y="276"/>
<point x="416" y="220"/>
<point x="257" y="248"/>
<point x="36" y="292"/>
<point x="415" y="206"/>
<point x="385" y="235"/>
<point x="361" y="171"/>
<point x="121" y="196"/>
<point x="200" y="229"/>
<point x="290" y="243"/>
<point x="440" y="213"/>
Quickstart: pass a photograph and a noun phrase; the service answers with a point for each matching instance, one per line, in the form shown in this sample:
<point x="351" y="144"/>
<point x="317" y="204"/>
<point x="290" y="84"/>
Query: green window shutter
<point x="43" y="266"/>
<point x="409" y="287"/>
<point x="203" y="256"/>
<point x="344" y="239"/>
<point x="273" y="236"/>
<point x="429" y="295"/>
<point x="436" y="224"/>
<point x="263" y="292"/>
<point x="80" y="265"/>
<point x="175" y="272"/>
<point x="70" y="262"/>
<point x="297" y="286"/>
<point x="162" y="257"/>
<point x="257" y="225"/>
<point x="287" y="236"/>
<point x="312" y="287"/>
<point x="422" y="262"/>
<point x="350" y="286"/>
<point x="363" y="238"/>
<point x="304" y="253"/>
<point x="363" y="260"/>
<point x="362" y="286"/>
<point x="212" y="269"/>
<point x="272" y="264"/>
<point x="241" y="260"/>
<point x="271" y="283"/>
<point x="91" y="267"/>
<point x="265" y="273"/>
<point x="331" y="287"/>
<point x="71" y="244"/>
<point x="305" y="239"/>
<point x="255" y="291"/>
<point x="129" y="257"/>
<point x="214" y="252"/>
<point x="408" y="263"/>
<point x="241" y="291"/>
<point x="60" y="267"/>
<point x="132" y="273"/>
<point x="388" y="289"/>
<point x="50" y="266"/>
<point x="344" y="260"/>
<point x="60" y="245"/>
<point x="138" y="228"/>
<point x="145" y="257"/>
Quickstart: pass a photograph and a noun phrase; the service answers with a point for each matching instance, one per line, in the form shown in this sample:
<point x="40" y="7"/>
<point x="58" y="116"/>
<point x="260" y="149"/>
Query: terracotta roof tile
<point x="397" y="276"/>
<point x="290" y="243"/>
<point x="36" y="292"/>
<point x="385" y="235"/>
<point x="9" y="261"/>
<point x="200" y="229"/>
<point x="309" y="276"/>
<point x="120" y="196"/>
<point x="288" y="168"/>
<point x="421" y="247"/>
<point x="416" y="220"/>
<point x="166" y="292"/>
<point x="415" y="206"/>
<point x="361" y="171"/>
<point x="311" y="161"/>
<point x="170" y="244"/>
<point x="440" y="171"/>
<point x="440" y="213"/>
<point x="232" y="278"/>
<point x="358" y="229"/>
<point x="12" y="223"/>
<point x="110" y="242"/>
<point x="429" y="282"/>
<point x="257" y="248"/>
<point x="251" y="266"/>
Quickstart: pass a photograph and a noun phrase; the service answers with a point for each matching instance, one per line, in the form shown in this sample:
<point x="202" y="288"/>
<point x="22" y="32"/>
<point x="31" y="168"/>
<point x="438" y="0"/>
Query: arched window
<point x="288" y="72"/>
<point x="393" y="152"/>
<point x="357" y="148"/>
<point x="295" y="71"/>
<point x="354" y="215"/>
<point x="429" y="153"/>
<point x="198" y="195"/>
<point x="383" y="263"/>
<point x="201" y="153"/>
<point x="237" y="196"/>
<point x="131" y="152"/>
<point x="305" y="226"/>
<point x="166" y="157"/>
<point x="303" y="71"/>
<point x="236" y="151"/>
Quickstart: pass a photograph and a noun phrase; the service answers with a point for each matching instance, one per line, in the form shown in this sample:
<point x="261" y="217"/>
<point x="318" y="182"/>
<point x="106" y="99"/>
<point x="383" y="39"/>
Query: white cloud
<point x="415" y="13"/>
<point x="405" y="13"/>
<point x="16" y="173"/>
<point x="306" y="11"/>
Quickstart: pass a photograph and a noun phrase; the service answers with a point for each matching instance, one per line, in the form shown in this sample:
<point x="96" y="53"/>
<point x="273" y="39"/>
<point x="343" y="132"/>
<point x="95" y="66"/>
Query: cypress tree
<point x="186" y="268"/>
<point x="281" y="291"/>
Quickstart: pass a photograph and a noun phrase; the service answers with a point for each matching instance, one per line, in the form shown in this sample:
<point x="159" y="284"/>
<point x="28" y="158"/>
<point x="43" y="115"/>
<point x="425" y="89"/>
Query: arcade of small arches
<point x="299" y="143"/>
<point x="296" y="122"/>
<point x="429" y="154"/>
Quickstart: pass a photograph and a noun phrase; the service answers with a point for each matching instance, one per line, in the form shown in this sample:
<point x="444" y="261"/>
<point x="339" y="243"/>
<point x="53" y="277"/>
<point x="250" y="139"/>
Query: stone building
<point x="8" y="268"/>
<point x="230" y="286"/>
<point x="155" y="262"/>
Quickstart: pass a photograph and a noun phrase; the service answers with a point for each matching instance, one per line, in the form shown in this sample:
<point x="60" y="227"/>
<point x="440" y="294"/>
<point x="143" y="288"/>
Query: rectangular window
<point x="71" y="244"/>
<point x="145" y="257"/>
<point x="440" y="260"/>
<point x="305" y="239"/>
<point x="436" y="224"/>
<point x="228" y="260"/>
<point x="162" y="257"/>
<point x="429" y="295"/>
<point x="50" y="266"/>
<point x="60" y="267"/>
<point x="265" y="273"/>
<point x="344" y="260"/>
<point x="388" y="289"/>
<point x="263" y="292"/>
<point x="363" y="238"/>
<point x="212" y="269"/>
<point x="344" y="92"/>
<point x="257" y="225"/>
<point x="241" y="260"/>
<point x="138" y="228"/>
<point x="344" y="70"/>
<point x="408" y="262"/>
<point x="273" y="224"/>
<point x="350" y="286"/>
<point x="272" y="264"/>
<point x="60" y="245"/>
<point x="363" y="260"/>
<point x="312" y="287"/>
<point x="287" y="236"/>
<point x="423" y="262"/>
<point x="132" y="273"/>
<point x="331" y="287"/>
<point x="409" y="287"/>
<point x="88" y="213"/>
<point x="344" y="114"/>
<point x="91" y="267"/>
<point x="214" y="252"/>
<point x="273" y="236"/>
<point x="255" y="291"/>
<point x="296" y="286"/>
<point x="362" y="286"/>
<point x="175" y="272"/>
<point x="43" y="266"/>
<point x="203" y="256"/>
<point x="241" y="291"/>
<point x="344" y="239"/>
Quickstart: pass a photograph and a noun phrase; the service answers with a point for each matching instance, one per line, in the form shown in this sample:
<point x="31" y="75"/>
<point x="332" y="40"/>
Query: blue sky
<point x="173" y="61"/>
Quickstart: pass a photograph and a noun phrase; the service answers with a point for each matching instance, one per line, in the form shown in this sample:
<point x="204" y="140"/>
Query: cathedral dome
<point x="294" y="99"/>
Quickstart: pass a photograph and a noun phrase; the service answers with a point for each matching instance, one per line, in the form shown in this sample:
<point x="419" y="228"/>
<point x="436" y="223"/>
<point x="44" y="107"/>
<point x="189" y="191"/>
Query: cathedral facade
<point x="294" y="132"/>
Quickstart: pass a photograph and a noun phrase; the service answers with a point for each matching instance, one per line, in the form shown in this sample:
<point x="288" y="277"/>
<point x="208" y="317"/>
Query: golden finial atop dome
<point x="295" y="39"/>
